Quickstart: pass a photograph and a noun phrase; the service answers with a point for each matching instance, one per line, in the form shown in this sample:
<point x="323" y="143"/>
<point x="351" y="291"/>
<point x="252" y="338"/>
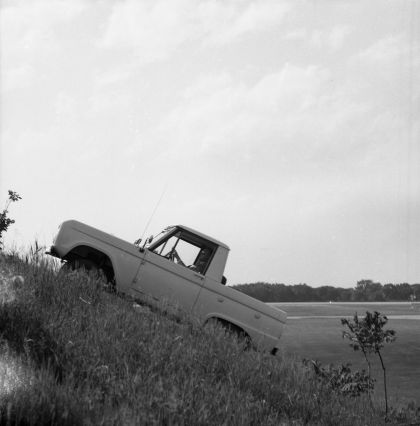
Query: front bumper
<point x="52" y="251"/>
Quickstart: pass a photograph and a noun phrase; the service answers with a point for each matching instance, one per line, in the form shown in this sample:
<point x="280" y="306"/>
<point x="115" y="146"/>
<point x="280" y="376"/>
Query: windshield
<point x="160" y="236"/>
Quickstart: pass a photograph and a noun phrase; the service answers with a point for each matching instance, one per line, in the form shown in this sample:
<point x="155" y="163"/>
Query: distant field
<point x="348" y="309"/>
<point x="310" y="334"/>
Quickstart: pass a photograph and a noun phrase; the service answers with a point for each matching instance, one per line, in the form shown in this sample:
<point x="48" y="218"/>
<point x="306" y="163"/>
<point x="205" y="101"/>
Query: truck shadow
<point x="24" y="335"/>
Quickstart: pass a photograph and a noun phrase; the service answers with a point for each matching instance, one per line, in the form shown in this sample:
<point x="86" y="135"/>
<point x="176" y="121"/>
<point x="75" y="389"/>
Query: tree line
<point x="364" y="291"/>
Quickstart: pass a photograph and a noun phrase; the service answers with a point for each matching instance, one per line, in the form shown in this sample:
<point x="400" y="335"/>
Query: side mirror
<point x="137" y="242"/>
<point x="147" y="241"/>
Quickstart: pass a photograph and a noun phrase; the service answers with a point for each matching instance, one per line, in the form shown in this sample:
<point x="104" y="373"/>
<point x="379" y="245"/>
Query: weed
<point x="5" y="220"/>
<point x="368" y="335"/>
<point x="341" y="379"/>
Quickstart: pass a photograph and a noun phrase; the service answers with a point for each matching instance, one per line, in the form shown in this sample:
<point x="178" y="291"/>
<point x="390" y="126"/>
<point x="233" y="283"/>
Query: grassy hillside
<point x="71" y="353"/>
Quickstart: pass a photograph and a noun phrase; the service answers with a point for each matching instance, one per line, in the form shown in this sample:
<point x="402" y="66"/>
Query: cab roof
<point x="200" y="234"/>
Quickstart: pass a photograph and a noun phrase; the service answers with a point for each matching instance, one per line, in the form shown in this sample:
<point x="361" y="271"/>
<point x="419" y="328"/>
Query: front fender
<point x="124" y="257"/>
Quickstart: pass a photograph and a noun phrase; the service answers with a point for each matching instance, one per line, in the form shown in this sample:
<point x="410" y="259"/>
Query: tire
<point x="231" y="330"/>
<point x="85" y="265"/>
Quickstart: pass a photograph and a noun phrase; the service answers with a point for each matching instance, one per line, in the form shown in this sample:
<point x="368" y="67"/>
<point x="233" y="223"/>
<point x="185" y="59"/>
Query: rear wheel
<point x="232" y="330"/>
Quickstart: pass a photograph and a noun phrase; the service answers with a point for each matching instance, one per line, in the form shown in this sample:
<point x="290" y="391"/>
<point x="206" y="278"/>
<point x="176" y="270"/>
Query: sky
<point x="290" y="130"/>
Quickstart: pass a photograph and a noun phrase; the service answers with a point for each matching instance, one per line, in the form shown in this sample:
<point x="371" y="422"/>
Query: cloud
<point x="387" y="71"/>
<point x="286" y="116"/>
<point x="332" y="38"/>
<point x="296" y="35"/>
<point x="390" y="49"/>
<point x="151" y="29"/>
<point x="15" y="78"/>
<point x="108" y="101"/>
<point x="154" y="30"/>
<point x="28" y="36"/>
<point x="228" y="22"/>
<point x="114" y="76"/>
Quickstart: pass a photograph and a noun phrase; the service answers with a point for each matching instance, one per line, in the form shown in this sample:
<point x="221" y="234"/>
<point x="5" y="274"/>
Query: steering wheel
<point x="174" y="256"/>
<point x="171" y="255"/>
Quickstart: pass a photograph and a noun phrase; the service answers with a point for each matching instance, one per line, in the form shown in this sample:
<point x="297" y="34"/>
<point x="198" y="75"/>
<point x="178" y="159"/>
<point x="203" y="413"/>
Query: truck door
<point x="171" y="271"/>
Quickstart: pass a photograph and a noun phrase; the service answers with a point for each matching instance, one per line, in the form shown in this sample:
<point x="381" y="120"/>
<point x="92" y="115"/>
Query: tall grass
<point x="80" y="355"/>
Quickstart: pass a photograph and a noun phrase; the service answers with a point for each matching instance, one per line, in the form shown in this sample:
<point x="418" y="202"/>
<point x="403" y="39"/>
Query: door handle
<point x="220" y="299"/>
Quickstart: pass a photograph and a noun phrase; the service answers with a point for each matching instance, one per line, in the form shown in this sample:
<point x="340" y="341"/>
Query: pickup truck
<point x="180" y="266"/>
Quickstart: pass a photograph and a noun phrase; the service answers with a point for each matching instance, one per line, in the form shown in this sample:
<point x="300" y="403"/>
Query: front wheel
<point x="85" y="265"/>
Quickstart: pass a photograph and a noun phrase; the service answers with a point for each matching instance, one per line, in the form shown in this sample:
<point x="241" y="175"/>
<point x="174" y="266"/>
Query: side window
<point x="186" y="250"/>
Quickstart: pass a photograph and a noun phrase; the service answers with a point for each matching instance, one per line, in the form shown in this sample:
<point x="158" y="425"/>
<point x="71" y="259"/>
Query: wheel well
<point x="100" y="259"/>
<point x="230" y="328"/>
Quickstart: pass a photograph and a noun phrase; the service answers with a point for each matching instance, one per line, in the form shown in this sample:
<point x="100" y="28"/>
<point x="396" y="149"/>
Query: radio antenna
<point x="154" y="210"/>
